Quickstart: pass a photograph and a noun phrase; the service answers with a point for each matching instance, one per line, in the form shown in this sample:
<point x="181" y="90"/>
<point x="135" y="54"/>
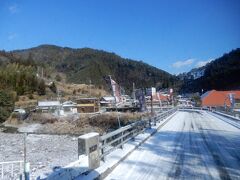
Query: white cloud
<point x="13" y="8"/>
<point x="180" y="64"/>
<point x="202" y="63"/>
<point x="12" y="36"/>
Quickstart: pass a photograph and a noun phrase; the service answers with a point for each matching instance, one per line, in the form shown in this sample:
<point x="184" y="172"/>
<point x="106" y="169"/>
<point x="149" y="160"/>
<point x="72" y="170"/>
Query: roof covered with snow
<point x="108" y="98"/>
<point x="48" y="103"/>
<point x="69" y="103"/>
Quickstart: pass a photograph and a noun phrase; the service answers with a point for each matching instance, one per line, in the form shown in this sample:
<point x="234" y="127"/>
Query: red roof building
<point x="215" y="98"/>
<point x="160" y="97"/>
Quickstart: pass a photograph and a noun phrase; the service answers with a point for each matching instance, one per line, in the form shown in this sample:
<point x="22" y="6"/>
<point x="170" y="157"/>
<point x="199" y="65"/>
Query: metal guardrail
<point x="228" y="112"/>
<point x="113" y="140"/>
<point x="194" y="108"/>
<point x="11" y="170"/>
<point x="233" y="115"/>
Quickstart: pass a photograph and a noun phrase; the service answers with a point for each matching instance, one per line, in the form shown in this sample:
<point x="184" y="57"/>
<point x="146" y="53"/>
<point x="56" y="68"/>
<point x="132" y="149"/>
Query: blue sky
<point x="173" y="35"/>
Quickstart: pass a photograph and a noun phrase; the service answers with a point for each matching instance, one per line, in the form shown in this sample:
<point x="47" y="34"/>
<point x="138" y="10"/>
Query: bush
<point x="14" y="115"/>
<point x="53" y="88"/>
<point x="43" y="118"/>
<point x="74" y="92"/>
<point x="58" y="78"/>
<point x="6" y="105"/>
<point x="41" y="88"/>
<point x="30" y="96"/>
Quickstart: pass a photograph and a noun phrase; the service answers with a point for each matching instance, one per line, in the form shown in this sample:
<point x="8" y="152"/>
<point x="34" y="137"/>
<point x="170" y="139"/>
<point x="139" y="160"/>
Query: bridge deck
<point x="192" y="145"/>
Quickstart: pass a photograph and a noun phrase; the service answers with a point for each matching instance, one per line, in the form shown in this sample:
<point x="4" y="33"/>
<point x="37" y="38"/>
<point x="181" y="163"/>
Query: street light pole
<point x="90" y="82"/>
<point x="26" y="165"/>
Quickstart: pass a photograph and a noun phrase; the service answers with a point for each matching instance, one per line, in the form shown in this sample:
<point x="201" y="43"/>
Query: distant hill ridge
<point x="85" y="64"/>
<point x="221" y="74"/>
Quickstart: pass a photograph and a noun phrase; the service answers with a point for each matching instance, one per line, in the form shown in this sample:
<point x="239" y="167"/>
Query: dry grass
<point x="100" y="123"/>
<point x="81" y="89"/>
<point x="24" y="102"/>
<point x="43" y="118"/>
<point x="109" y="121"/>
<point x="69" y="91"/>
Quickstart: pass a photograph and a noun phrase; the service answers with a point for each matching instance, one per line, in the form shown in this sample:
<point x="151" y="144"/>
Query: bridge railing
<point x="193" y="108"/>
<point x="116" y="139"/>
<point x="11" y="170"/>
<point x="230" y="114"/>
<point x="227" y="111"/>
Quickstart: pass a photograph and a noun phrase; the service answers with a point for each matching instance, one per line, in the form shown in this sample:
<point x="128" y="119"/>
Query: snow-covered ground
<point x="192" y="145"/>
<point x="44" y="152"/>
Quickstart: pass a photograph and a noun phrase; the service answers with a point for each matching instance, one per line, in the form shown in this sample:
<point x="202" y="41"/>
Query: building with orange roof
<point x="215" y="98"/>
<point x="158" y="96"/>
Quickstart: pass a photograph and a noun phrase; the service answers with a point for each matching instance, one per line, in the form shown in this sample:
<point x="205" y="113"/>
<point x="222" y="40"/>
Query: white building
<point x="151" y="91"/>
<point x="107" y="101"/>
<point x="48" y="106"/>
<point x="69" y="107"/>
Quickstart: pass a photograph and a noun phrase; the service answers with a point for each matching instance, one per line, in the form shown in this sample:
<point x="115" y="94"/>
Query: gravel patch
<point x="44" y="152"/>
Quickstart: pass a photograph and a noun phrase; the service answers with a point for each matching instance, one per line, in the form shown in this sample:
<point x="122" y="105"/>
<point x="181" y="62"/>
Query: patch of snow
<point x="44" y="152"/>
<point x="29" y="128"/>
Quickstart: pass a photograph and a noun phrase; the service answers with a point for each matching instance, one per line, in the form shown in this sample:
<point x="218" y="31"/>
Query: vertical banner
<point x="232" y="100"/>
<point x="116" y="90"/>
<point x="159" y="99"/>
<point x="140" y="96"/>
<point x="171" y="96"/>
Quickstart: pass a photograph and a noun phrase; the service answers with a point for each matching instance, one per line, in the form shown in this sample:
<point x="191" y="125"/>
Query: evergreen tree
<point x="41" y="88"/>
<point x="53" y="87"/>
<point x="6" y="105"/>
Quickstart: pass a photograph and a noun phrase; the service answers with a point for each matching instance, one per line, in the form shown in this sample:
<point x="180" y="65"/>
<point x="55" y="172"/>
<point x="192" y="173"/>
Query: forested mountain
<point x="83" y="65"/>
<point x="221" y="74"/>
<point x="20" y="75"/>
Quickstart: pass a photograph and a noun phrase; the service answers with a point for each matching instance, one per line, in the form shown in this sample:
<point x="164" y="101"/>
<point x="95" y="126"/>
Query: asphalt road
<point x="192" y="145"/>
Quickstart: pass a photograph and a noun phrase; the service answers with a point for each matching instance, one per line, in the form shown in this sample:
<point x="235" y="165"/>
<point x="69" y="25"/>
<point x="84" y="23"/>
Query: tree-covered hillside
<point x="220" y="74"/>
<point x="19" y="75"/>
<point x="83" y="65"/>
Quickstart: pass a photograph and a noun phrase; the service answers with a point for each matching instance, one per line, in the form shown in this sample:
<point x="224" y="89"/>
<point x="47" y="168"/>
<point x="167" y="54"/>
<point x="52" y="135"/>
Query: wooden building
<point x="87" y="105"/>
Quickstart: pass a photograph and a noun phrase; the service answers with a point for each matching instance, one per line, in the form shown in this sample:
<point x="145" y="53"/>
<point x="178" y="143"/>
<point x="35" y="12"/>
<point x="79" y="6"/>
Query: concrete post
<point x="237" y="116"/>
<point x="27" y="171"/>
<point x="88" y="144"/>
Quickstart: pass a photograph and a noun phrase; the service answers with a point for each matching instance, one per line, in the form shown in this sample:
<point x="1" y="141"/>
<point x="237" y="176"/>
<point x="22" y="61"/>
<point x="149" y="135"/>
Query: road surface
<point x="192" y="145"/>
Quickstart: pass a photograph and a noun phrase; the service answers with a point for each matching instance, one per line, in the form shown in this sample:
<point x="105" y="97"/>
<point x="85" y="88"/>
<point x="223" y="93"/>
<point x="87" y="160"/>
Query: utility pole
<point x="159" y="99"/>
<point x="134" y="95"/>
<point x="59" y="99"/>
<point x="24" y="153"/>
<point x="26" y="165"/>
<point x="151" y="105"/>
<point x="42" y="72"/>
<point x="90" y="82"/>
<point x="38" y="71"/>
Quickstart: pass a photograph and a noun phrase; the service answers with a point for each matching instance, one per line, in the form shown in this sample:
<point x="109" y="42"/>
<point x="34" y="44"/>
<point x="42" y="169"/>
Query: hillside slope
<point x="83" y="65"/>
<point x="221" y="74"/>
